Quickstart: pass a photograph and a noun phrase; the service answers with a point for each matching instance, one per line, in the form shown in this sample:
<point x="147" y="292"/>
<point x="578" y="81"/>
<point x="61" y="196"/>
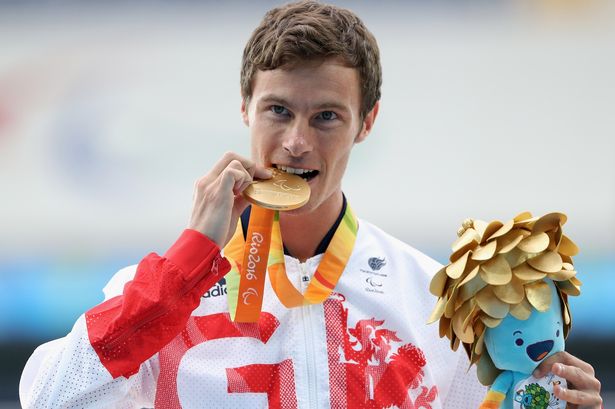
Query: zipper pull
<point x="305" y="278"/>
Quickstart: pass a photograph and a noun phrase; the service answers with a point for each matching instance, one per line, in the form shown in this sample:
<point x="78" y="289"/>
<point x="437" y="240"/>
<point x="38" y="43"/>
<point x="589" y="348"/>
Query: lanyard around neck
<point x="262" y="247"/>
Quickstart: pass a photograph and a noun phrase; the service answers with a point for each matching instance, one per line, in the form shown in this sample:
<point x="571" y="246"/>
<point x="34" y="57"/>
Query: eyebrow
<point x="516" y="332"/>
<point x="274" y="99"/>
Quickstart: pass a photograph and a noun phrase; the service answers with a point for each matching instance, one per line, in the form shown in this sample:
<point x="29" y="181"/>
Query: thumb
<point x="238" y="208"/>
<point x="262" y="173"/>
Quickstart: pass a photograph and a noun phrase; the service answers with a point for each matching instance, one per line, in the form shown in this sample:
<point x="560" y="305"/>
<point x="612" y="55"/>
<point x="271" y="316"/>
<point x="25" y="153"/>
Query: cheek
<point x="259" y="145"/>
<point x="262" y="135"/>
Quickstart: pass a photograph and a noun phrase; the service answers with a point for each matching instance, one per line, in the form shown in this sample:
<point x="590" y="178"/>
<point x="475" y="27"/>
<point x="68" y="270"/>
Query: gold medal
<point x="284" y="191"/>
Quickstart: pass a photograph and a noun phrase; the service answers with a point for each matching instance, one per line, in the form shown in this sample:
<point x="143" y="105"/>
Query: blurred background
<point x="110" y="111"/>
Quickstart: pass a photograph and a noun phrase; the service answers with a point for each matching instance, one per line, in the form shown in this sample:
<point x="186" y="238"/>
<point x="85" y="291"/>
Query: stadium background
<point x="109" y="112"/>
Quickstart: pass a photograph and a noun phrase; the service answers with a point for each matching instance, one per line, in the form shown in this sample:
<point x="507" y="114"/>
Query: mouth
<point x="539" y="350"/>
<point x="306" y="174"/>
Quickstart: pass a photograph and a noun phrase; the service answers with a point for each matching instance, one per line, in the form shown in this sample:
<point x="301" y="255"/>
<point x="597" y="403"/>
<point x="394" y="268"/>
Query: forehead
<point x="309" y="80"/>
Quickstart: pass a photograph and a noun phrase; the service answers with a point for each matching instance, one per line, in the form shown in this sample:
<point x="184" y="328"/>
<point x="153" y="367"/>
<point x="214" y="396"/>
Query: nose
<point x="297" y="141"/>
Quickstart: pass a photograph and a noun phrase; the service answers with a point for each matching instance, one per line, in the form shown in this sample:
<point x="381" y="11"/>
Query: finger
<point x="233" y="178"/>
<point x="262" y="173"/>
<point x="243" y="187"/>
<point x="577" y="377"/>
<point x="565" y="358"/>
<point x="578" y="397"/>
<point x="257" y="171"/>
<point x="245" y="179"/>
<point x="240" y="205"/>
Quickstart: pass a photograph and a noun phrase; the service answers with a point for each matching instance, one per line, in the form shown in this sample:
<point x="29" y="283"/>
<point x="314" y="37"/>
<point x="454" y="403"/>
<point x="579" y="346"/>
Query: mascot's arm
<point x="497" y="392"/>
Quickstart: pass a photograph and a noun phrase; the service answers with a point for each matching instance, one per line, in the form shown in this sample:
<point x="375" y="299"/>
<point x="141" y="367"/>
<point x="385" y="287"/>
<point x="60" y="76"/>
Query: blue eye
<point x="519" y="341"/>
<point x="557" y="333"/>
<point x="279" y="110"/>
<point x="327" y="115"/>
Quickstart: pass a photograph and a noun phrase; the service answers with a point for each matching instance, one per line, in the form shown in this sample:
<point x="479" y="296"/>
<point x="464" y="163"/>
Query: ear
<point x="244" y="111"/>
<point x="368" y="123"/>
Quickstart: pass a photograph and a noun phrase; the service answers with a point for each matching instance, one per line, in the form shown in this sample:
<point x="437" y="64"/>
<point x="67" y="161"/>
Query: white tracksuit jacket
<point x="165" y="340"/>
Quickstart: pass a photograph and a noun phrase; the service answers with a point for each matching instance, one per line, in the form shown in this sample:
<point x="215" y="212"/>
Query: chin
<point x="309" y="207"/>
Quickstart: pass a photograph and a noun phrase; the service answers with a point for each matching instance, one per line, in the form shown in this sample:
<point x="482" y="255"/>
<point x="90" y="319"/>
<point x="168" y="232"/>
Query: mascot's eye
<point x="557" y="333"/>
<point x="519" y="341"/>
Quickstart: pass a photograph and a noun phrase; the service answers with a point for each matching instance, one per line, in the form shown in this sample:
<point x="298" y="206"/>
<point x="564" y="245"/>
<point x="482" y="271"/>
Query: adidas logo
<point x="217" y="290"/>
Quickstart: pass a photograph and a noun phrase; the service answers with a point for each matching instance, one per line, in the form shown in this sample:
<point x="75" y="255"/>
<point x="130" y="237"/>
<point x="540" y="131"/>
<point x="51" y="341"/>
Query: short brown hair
<point x="312" y="30"/>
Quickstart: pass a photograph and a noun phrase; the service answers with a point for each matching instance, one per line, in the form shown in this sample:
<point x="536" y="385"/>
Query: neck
<point x="303" y="232"/>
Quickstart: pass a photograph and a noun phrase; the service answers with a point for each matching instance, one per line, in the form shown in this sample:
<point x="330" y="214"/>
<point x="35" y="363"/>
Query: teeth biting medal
<point x="284" y="191"/>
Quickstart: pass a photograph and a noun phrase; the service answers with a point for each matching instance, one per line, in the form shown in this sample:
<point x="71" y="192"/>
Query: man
<point x="163" y="337"/>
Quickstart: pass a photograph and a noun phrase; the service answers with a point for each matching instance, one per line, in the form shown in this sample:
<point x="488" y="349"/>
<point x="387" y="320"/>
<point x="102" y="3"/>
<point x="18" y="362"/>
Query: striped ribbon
<point x="263" y="247"/>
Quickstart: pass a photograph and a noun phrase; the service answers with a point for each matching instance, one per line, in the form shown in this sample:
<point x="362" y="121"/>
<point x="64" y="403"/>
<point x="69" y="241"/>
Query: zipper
<point x="158" y="312"/>
<point x="309" y="346"/>
<point x="154" y="314"/>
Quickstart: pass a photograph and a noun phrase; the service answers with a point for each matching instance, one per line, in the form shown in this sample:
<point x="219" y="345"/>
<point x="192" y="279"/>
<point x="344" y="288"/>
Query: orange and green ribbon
<point x="262" y="247"/>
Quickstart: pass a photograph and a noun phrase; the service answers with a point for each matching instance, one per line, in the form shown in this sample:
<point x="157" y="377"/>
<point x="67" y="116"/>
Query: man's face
<point x="305" y="120"/>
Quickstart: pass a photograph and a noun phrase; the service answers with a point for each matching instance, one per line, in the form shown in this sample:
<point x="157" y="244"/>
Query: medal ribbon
<point x="263" y="247"/>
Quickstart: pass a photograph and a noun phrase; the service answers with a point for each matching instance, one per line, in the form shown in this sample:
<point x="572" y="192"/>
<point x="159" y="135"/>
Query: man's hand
<point x="583" y="390"/>
<point x="218" y="201"/>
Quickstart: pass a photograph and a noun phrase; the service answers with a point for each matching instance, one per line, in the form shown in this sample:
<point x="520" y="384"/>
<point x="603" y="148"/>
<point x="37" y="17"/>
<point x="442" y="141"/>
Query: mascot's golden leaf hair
<point x="498" y="269"/>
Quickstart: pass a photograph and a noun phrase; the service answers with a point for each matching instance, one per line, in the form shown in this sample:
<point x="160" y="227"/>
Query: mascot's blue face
<point x="520" y="345"/>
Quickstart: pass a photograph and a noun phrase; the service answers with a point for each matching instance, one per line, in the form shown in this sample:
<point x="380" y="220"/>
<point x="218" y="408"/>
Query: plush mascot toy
<point x="504" y="297"/>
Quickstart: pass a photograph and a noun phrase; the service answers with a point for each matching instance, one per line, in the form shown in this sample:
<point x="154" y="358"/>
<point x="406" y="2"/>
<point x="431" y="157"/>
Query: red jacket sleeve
<point x="128" y="329"/>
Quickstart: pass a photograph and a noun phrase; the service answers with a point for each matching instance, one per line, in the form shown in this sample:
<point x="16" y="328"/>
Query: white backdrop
<point x="109" y="114"/>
